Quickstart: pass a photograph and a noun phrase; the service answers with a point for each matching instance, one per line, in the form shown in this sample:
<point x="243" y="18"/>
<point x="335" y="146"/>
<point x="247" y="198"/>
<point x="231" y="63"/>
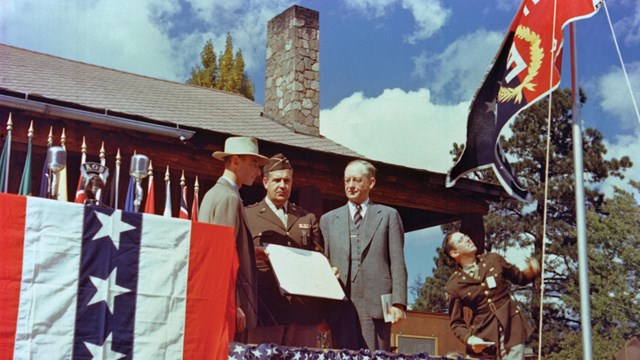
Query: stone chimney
<point x="292" y="84"/>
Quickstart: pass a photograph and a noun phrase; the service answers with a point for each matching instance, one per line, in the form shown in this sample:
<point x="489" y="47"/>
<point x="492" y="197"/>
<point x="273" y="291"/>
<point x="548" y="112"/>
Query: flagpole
<point x="7" y="156"/>
<point x="585" y="313"/>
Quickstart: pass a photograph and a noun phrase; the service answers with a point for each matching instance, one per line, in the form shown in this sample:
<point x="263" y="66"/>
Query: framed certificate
<point x="304" y="272"/>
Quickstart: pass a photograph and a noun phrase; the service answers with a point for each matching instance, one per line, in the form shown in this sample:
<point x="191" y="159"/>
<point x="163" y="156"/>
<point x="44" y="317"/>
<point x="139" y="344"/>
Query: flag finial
<point x="9" y="123"/>
<point x="30" y="133"/>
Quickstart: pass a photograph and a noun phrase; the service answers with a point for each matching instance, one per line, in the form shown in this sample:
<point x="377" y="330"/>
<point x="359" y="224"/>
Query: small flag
<point x="114" y="192"/>
<point x="167" y="201"/>
<point x="150" y="205"/>
<point x="5" y="158"/>
<point x="44" y="177"/>
<point x="526" y="68"/>
<point x="194" y="205"/>
<point x="128" y="202"/>
<point x="25" y="182"/>
<point x="184" y="212"/>
<point x="62" y="175"/>
<point x="80" y="196"/>
<point x="103" y="162"/>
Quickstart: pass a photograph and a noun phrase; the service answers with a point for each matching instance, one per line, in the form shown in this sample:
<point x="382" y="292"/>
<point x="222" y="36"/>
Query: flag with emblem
<point x="526" y="68"/>
<point x="82" y="282"/>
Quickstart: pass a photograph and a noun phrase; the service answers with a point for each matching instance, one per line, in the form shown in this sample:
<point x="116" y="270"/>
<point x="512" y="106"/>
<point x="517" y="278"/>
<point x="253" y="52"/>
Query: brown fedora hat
<point x="240" y="145"/>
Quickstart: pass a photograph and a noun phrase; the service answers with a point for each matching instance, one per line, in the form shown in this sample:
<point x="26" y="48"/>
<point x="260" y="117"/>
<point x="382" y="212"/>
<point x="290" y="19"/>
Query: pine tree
<point x="205" y="74"/>
<point x="224" y="72"/>
<point x="225" y="68"/>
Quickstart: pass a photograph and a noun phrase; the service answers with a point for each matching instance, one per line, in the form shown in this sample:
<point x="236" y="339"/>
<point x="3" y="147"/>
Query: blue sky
<point x="395" y="72"/>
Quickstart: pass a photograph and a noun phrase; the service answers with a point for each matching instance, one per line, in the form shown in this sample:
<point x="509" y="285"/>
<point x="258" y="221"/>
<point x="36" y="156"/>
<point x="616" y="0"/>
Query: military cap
<point x="277" y="162"/>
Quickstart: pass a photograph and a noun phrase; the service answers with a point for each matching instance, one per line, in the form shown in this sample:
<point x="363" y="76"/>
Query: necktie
<point x="357" y="217"/>
<point x="282" y="215"/>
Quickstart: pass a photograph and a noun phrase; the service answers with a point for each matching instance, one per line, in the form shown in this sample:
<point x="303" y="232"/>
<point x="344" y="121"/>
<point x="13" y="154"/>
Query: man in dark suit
<point x="283" y="319"/>
<point x="222" y="205"/>
<point x="482" y="283"/>
<point x="364" y="241"/>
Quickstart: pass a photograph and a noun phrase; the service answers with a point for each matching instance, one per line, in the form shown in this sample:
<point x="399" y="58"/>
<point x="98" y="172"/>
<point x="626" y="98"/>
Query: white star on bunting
<point x="107" y="290"/>
<point x="103" y="351"/>
<point x="112" y="226"/>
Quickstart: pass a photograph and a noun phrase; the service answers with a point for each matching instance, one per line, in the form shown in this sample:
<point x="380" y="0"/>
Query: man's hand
<point x="241" y="320"/>
<point x="476" y="343"/>
<point x="397" y="314"/>
<point x="261" y="253"/>
<point x="336" y="272"/>
<point x="533" y="268"/>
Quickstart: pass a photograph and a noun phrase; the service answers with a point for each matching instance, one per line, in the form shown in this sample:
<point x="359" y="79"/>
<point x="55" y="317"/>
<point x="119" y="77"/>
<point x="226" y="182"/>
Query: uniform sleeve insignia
<point x="304" y="226"/>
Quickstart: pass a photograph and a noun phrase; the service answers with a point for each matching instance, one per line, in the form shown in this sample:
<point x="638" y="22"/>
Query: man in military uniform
<point x="283" y="319"/>
<point x="482" y="283"/>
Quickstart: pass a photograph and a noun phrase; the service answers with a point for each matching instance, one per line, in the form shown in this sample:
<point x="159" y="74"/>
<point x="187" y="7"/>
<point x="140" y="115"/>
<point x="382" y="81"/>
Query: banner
<point x="527" y="68"/>
<point x="82" y="282"/>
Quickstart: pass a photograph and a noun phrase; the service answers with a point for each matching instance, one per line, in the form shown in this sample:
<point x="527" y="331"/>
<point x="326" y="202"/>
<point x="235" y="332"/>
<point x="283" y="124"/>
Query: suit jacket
<point x="491" y="305"/>
<point x="382" y="258"/>
<point x="222" y="205"/>
<point x="301" y="232"/>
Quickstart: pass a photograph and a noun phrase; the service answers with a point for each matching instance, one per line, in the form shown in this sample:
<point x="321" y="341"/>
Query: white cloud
<point x="430" y="17"/>
<point x="98" y="32"/>
<point x="456" y="73"/>
<point x="615" y="98"/>
<point x="407" y="128"/>
<point x="372" y="8"/>
<point x="148" y="37"/>
<point x="624" y="145"/>
<point x="629" y="26"/>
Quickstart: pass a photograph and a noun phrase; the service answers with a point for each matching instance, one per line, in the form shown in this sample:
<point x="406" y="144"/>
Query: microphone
<point x="139" y="169"/>
<point x="56" y="161"/>
<point x="94" y="176"/>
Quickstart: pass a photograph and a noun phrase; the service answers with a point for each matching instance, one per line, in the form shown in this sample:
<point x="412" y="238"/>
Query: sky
<point x="396" y="72"/>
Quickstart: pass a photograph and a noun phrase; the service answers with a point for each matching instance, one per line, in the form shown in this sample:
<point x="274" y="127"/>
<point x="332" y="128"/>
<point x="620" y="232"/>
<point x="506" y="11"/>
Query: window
<point x="416" y="344"/>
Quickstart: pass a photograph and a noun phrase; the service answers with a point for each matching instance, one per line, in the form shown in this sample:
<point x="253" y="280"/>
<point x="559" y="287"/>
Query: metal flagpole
<point x="583" y="269"/>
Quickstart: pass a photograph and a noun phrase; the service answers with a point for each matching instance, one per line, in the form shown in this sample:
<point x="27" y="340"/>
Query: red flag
<point x="145" y="294"/>
<point x="526" y="69"/>
<point x="194" y="205"/>
<point x="80" y="196"/>
<point x="150" y="205"/>
<point x="184" y="212"/>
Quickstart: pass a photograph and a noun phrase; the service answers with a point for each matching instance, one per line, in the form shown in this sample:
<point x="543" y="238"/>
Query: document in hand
<point x="385" y="300"/>
<point x="304" y="272"/>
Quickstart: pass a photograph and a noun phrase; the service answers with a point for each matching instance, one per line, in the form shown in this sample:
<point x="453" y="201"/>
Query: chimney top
<point x="292" y="84"/>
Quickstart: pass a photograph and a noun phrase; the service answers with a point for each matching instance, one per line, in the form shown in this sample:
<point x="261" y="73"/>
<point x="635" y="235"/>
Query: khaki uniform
<point x="489" y="298"/>
<point x="301" y="232"/>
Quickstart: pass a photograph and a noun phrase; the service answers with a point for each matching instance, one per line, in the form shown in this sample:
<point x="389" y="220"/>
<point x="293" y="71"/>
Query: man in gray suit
<point x="365" y="242"/>
<point x="222" y="205"/>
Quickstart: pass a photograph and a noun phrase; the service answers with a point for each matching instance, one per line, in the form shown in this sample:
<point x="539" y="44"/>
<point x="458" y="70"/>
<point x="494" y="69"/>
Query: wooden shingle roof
<point x="172" y="103"/>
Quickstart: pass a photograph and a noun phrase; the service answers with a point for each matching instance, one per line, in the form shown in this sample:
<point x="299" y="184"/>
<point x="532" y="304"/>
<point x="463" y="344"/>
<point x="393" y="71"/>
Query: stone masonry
<point x="292" y="84"/>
